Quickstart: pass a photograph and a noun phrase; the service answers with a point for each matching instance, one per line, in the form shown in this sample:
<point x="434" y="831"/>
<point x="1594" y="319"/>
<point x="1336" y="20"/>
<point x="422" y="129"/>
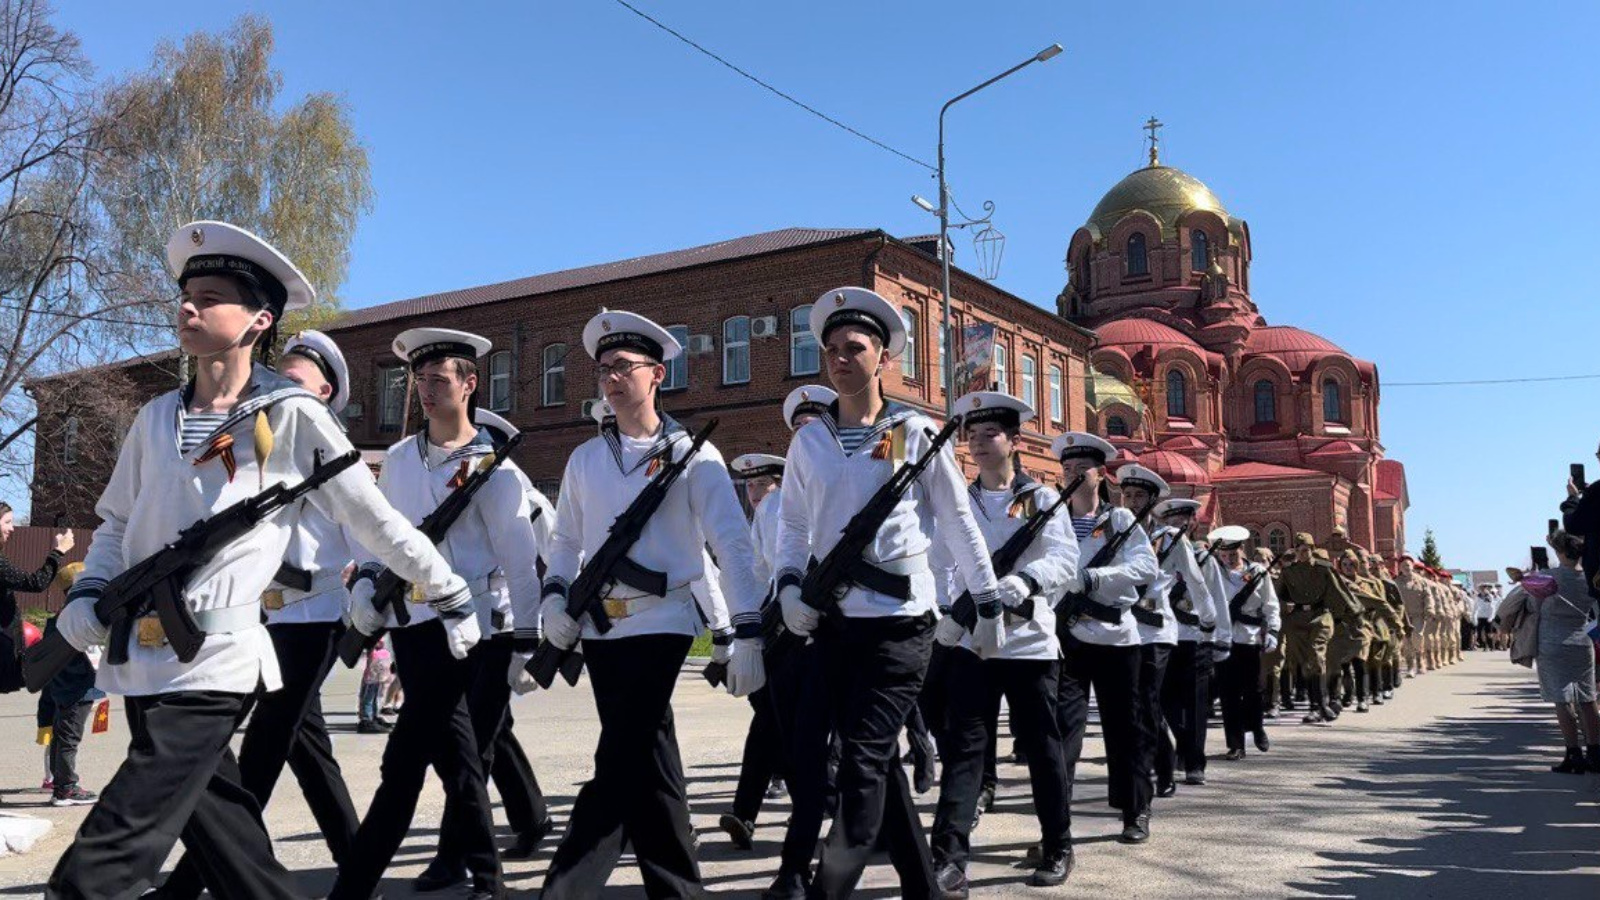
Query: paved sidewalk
<point x="1444" y="793"/>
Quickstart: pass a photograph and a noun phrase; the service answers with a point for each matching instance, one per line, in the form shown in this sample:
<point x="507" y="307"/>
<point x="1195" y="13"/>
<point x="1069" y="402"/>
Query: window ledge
<point x="1333" y="428"/>
<point x="1180" y="425"/>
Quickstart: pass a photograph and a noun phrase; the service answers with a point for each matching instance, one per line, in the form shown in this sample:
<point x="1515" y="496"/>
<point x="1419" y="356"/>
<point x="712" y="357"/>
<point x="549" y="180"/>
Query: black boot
<point x="1572" y="763"/>
<point x="1591" y="757"/>
<point x="1135" y="830"/>
<point x="1053" y="869"/>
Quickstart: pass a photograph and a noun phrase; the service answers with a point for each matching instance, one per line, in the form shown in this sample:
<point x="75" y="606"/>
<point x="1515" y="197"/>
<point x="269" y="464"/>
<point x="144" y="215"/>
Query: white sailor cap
<point x="1079" y="444"/>
<point x="420" y="346"/>
<point x="992" y="406"/>
<point x="497" y="425"/>
<point x="217" y="248"/>
<point x="618" y="329"/>
<point x="600" y="411"/>
<point x="862" y="308"/>
<point x="810" y="399"/>
<point x="1228" y="537"/>
<point x="326" y="356"/>
<point x="1177" y="506"/>
<point x="1135" y="475"/>
<point x="755" y="465"/>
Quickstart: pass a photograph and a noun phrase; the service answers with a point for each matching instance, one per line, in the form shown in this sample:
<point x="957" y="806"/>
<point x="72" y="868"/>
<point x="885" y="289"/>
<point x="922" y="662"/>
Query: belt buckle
<point x="615" y="609"/>
<point x="272" y="599"/>
<point x="415" y="595"/>
<point x="151" y="634"/>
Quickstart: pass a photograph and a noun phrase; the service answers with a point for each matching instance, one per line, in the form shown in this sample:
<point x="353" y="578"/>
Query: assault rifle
<point x="1236" y="605"/>
<point x="389" y="589"/>
<point x="1004" y="559"/>
<point x="609" y="565"/>
<point x="826" y="583"/>
<point x="158" y="582"/>
<point x="1152" y="617"/>
<point x="1079" y="603"/>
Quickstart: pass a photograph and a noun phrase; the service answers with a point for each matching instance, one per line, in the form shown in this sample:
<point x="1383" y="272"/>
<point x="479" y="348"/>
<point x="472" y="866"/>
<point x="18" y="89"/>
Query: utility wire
<point x="1490" y="381"/>
<point x="810" y="109"/>
<point x="95" y="317"/>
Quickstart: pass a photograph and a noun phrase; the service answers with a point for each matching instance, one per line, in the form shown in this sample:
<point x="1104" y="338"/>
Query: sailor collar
<point x="670" y="433"/>
<point x="481" y="444"/>
<point x="893" y="414"/>
<point x="1022" y="486"/>
<point x="265" y="389"/>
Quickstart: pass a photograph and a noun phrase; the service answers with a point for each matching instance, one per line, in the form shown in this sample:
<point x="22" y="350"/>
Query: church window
<point x="1177" y="395"/>
<point x="1266" y="402"/>
<point x="1277" y="541"/>
<point x="1332" y="407"/>
<point x="1199" y="252"/>
<point x="1116" y="426"/>
<point x="1138" y="264"/>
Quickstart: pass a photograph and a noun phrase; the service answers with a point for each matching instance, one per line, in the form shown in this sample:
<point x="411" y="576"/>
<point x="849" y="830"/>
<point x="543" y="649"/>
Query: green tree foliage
<point x="1430" y="551"/>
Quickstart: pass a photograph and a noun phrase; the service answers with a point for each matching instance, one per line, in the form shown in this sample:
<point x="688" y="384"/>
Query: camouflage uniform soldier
<point x="1308" y="592"/>
<point x="1415" y="594"/>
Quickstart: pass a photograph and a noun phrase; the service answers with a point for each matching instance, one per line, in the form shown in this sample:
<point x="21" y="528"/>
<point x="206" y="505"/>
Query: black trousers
<point x="974" y="688"/>
<point x="514" y="780"/>
<point x="489" y="705"/>
<point x="1185" y="702"/>
<point x="180" y="778"/>
<point x="763" y="756"/>
<point x="1113" y="672"/>
<point x="286" y="726"/>
<point x="66" y="732"/>
<point x="1240" y="677"/>
<point x="874" y="671"/>
<point x="637" y="794"/>
<point x="1152" y="721"/>
<point x="433" y="728"/>
<point x="798" y="691"/>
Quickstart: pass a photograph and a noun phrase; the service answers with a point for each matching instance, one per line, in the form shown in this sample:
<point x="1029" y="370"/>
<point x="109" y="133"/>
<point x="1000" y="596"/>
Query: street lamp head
<point x="1048" y="53"/>
<point x="926" y="206"/>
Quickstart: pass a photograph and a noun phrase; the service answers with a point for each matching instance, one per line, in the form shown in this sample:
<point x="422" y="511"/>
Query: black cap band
<point x="427" y="353"/>
<point x="1084" y="452"/>
<point x="808" y="408"/>
<point x="856" y="317"/>
<point x="1007" y="417"/>
<point x="238" y="267"/>
<point x="1142" y="484"/>
<point x="318" y="360"/>
<point x="628" y="340"/>
<point x="771" y="469"/>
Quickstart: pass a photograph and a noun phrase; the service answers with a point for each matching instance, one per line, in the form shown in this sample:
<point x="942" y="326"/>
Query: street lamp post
<point x="1047" y="53"/>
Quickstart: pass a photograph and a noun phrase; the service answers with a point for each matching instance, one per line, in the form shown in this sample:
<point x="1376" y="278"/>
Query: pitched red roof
<point x="1174" y="468"/>
<point x="1134" y="334"/>
<point x="1252" y="469"/>
<point x="1391" y="480"/>
<point x="722" y="251"/>
<point x="1299" y="349"/>
<point x="1336" y="449"/>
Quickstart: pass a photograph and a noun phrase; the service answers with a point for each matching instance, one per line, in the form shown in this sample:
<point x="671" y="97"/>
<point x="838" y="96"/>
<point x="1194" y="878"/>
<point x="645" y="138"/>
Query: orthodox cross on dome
<point x="1153" y="126"/>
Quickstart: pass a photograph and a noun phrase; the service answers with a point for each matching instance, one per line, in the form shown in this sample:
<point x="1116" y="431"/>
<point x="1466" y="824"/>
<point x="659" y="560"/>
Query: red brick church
<point x="1270" y="426"/>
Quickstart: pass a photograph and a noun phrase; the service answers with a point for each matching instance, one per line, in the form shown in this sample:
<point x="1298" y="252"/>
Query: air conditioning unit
<point x="764" y="327"/>
<point x="701" y="343"/>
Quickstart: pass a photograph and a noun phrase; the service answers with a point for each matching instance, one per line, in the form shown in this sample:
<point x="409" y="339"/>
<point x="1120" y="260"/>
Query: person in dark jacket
<point x="1580" y="517"/>
<point x="13" y="581"/>
<point x="65" y="706"/>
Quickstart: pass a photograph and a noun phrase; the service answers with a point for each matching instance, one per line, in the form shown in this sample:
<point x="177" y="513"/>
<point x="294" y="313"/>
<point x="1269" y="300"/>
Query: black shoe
<point x="1318" y="717"/>
<point x="1591" y="757"/>
<point x="1270" y="712"/>
<point x="1572" y="764"/>
<point x="367" y="726"/>
<point x="951" y="882"/>
<point x="776" y="788"/>
<point x="481" y="893"/>
<point x="1195" y="778"/>
<point x="787" y="886"/>
<point x="1335" y="707"/>
<point x="741" y="832"/>
<point x="440" y="875"/>
<point x="1234" y="754"/>
<point x="1262" y="743"/>
<point x="1331" y="712"/>
<point x="1053" y="869"/>
<point x="1287" y="704"/>
<point x="528" y="841"/>
<point x="1166" y="789"/>
<point x="986" y="798"/>
<point x="922" y="758"/>
<point x="1137" y="831"/>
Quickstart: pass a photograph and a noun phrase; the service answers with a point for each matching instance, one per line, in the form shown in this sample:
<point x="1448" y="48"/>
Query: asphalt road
<point x="1445" y="792"/>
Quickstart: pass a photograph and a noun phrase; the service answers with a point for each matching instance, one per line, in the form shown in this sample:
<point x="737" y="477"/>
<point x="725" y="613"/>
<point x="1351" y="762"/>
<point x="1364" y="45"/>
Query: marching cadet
<point x="1253" y="607"/>
<point x="638" y="789"/>
<point x="1418" y="603"/>
<point x="1185" y="697"/>
<point x="763" y="760"/>
<point x="1387" y="628"/>
<point x="1352" y="638"/>
<point x="807" y="402"/>
<point x="236" y="428"/>
<point x="1025" y="670"/>
<point x="1099" y="640"/>
<point x="444" y="668"/>
<point x="876" y="641"/>
<point x="1141" y="491"/>
<point x="305" y="609"/>
<point x="1311" y="591"/>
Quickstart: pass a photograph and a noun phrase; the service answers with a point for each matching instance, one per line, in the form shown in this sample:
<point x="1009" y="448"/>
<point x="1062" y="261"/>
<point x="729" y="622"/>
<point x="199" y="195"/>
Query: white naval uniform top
<point x="155" y="491"/>
<point x="764" y="534"/>
<point x="711" y="596"/>
<point x="1051" y="560"/>
<point x="1197" y="597"/>
<point x="1218" y="586"/>
<point x="1116" y="584"/>
<point x="602" y="478"/>
<point x="1263" y="602"/>
<point x="1157" y="595"/>
<point x="321" y="547"/>
<point x="824" y="487"/>
<point x="491" y="544"/>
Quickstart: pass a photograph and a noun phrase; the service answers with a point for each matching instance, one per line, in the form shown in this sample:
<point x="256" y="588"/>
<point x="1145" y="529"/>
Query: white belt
<point x="225" y="620"/>
<point x="280" y="597"/>
<point x="621" y="607"/>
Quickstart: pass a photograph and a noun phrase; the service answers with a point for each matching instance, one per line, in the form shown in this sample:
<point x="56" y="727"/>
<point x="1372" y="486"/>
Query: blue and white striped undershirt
<point x="852" y="438"/>
<point x="196" y="427"/>
<point x="1083" y="525"/>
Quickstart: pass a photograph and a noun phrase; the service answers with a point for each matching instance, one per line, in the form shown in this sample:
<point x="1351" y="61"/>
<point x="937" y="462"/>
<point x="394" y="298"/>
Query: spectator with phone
<point x="1580" y="517"/>
<point x="1559" y="597"/>
<point x="14" y="580"/>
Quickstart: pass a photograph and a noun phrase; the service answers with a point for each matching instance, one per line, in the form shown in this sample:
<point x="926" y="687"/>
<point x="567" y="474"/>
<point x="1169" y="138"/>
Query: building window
<point x="736" y="350"/>
<point x="1277" y="541"/>
<point x="1138" y="264"/>
<point x="804" y="358"/>
<point x="1029" y="383"/>
<point x="69" y="441"/>
<point x="1199" y="250"/>
<point x="391" y="398"/>
<point x="1117" y="426"/>
<point x="1001" y="381"/>
<point x="553" y="363"/>
<point x="678" y="367"/>
<point x="1055" y="394"/>
<point x="1266" y="402"/>
<point x="1177" y="395"/>
<point x="1332" y="408"/>
<point x="500" y="381"/>
<point x="908" y="359"/>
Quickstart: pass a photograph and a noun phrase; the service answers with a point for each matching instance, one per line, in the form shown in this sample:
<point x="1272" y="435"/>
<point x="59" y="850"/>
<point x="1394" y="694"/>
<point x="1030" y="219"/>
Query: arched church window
<point x="1138" y="264"/>
<point x="1177" y="395"/>
<point x="1277" y="541"/>
<point x="1266" y="402"/>
<point x="1332" y="407"/>
<point x="1199" y="251"/>
<point x="1117" y="426"/>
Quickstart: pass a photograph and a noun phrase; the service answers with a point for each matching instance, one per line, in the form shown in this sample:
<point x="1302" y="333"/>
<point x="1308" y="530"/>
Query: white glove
<point x="364" y="617"/>
<point x="948" y="632"/>
<point x="1271" y="643"/>
<point x="1012" y="590"/>
<point x="462" y="632"/>
<point x="1220" y="652"/>
<point x="80" y="626"/>
<point x="1073" y="585"/>
<point x="989" y="637"/>
<point x="517" y="676"/>
<point x="747" y="673"/>
<point x="797" y="616"/>
<point x="560" y="629"/>
<point x="720" y="652"/>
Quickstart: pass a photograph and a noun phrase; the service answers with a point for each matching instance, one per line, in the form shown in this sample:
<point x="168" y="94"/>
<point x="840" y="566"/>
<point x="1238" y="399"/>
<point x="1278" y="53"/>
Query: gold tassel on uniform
<point x="264" y="441"/>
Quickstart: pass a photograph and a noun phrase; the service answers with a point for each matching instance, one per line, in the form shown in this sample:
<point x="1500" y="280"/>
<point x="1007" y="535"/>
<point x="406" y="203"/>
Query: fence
<point x="28" y="547"/>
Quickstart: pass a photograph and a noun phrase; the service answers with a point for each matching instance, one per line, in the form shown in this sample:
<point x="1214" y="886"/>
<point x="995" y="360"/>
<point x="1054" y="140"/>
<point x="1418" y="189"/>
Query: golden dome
<point x="1161" y="191"/>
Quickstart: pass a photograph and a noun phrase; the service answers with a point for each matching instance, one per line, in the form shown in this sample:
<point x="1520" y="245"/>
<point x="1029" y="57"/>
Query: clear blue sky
<point x="1406" y="169"/>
